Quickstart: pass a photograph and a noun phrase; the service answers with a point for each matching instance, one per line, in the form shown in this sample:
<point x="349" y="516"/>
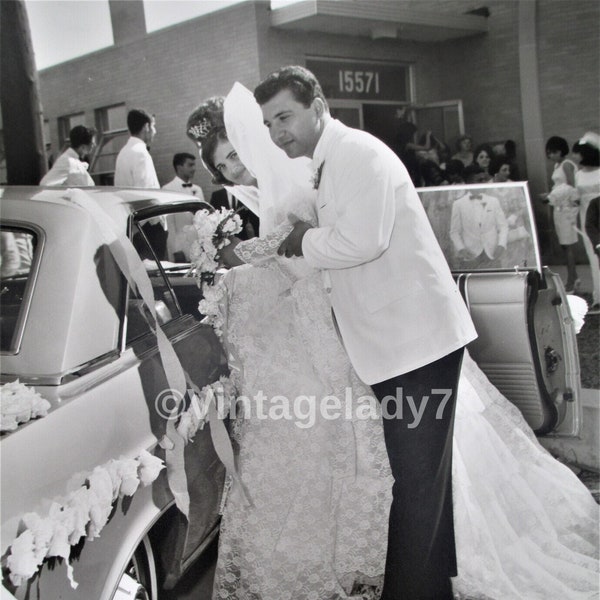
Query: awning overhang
<point x="377" y="19"/>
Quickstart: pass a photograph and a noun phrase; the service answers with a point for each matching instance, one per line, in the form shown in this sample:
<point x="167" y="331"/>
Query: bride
<point x="319" y="488"/>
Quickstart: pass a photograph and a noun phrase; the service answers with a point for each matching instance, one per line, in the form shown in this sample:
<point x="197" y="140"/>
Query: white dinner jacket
<point x="134" y="166"/>
<point x="478" y="225"/>
<point x="176" y="185"/>
<point x="70" y="170"/>
<point x="394" y="298"/>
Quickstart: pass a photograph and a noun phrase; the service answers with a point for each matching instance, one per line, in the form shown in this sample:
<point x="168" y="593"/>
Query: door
<point x="443" y="119"/>
<point x="348" y="112"/>
<point x="526" y="343"/>
<point x="201" y="356"/>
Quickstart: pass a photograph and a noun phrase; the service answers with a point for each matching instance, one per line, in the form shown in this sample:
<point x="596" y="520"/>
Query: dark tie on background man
<point x="186" y="185"/>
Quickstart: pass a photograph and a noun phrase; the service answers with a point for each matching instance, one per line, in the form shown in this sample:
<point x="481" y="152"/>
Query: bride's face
<point x="230" y="166"/>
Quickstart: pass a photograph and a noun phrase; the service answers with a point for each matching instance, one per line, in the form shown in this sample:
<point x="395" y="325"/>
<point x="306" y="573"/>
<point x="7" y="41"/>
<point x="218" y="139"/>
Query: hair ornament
<point x="201" y="129"/>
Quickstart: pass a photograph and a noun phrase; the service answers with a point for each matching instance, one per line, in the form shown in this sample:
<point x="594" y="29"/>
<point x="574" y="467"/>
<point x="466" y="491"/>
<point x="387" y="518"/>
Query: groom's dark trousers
<point x="421" y="555"/>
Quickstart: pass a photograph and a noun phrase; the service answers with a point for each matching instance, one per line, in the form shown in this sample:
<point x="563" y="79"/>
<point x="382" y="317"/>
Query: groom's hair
<point x="300" y="81"/>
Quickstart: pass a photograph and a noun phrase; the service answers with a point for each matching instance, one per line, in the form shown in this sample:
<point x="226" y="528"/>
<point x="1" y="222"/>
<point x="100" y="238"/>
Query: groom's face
<point x="294" y="127"/>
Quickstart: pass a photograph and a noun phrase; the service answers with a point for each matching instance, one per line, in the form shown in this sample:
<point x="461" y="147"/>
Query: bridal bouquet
<point x="213" y="231"/>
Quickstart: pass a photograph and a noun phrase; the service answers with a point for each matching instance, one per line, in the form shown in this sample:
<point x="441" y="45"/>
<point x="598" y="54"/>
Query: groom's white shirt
<point x="392" y="292"/>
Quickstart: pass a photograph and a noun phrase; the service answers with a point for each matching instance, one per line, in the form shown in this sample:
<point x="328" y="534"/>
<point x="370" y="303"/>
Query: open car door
<point x="526" y="345"/>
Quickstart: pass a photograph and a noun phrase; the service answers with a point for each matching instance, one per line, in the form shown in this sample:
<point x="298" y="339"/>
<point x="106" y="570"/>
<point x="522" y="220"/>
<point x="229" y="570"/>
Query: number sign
<point x="362" y="80"/>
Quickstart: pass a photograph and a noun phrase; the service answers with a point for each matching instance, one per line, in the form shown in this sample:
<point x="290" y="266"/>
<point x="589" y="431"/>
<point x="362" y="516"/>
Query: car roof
<point x="70" y="321"/>
<point x="112" y="200"/>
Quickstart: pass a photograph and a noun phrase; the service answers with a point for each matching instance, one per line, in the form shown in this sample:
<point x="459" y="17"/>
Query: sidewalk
<point x="584" y="273"/>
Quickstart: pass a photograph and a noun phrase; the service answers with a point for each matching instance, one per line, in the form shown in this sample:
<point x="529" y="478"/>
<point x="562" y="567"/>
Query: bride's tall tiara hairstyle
<point x="206" y="127"/>
<point x="207" y="118"/>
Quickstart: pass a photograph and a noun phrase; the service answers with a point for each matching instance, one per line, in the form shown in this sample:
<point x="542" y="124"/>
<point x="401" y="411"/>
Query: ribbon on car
<point x="133" y="269"/>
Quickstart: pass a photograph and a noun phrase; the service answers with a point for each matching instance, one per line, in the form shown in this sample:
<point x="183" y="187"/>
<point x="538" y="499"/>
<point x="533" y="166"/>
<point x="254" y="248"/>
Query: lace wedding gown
<point x="526" y="527"/>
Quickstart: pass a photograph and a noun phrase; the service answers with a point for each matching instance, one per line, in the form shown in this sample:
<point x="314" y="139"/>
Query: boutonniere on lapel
<point x="316" y="178"/>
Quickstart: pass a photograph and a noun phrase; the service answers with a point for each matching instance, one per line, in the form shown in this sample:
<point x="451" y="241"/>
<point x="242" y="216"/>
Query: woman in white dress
<point x="320" y="487"/>
<point x="565" y="200"/>
<point x="587" y="180"/>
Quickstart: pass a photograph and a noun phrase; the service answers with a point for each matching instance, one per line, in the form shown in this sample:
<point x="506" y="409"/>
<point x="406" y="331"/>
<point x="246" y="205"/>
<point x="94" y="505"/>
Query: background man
<point x="400" y="315"/>
<point x="178" y="242"/>
<point x="135" y="168"/>
<point x="70" y="168"/>
<point x="184" y="165"/>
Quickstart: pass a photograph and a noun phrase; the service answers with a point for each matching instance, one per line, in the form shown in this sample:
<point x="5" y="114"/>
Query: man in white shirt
<point x="178" y="242"/>
<point x="135" y="168"/>
<point x="70" y="168"/>
<point x="398" y="310"/>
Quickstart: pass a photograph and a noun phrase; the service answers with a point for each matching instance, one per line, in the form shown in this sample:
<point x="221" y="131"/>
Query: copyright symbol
<point x="169" y="404"/>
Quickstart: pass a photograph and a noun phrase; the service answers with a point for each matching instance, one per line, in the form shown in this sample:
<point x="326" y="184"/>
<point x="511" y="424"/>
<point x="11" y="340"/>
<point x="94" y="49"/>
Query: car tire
<point x="138" y="581"/>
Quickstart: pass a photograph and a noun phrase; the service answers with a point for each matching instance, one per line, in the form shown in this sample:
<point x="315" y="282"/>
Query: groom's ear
<point x="319" y="107"/>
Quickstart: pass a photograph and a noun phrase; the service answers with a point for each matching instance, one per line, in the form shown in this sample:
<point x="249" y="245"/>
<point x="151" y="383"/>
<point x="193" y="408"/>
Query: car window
<point x="17" y="250"/>
<point x="163" y="243"/>
<point x="483" y="227"/>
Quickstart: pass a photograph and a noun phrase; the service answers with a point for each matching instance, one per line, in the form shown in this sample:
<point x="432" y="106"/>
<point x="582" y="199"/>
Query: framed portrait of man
<point x="484" y="227"/>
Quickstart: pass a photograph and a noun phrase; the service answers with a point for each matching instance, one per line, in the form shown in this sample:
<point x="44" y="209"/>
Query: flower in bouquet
<point x="211" y="307"/>
<point x="564" y="197"/>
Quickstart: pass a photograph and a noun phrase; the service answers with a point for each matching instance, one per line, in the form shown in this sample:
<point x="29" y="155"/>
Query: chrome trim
<point x="62" y="378"/>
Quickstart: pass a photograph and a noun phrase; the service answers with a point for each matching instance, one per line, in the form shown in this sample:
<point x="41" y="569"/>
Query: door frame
<point x="358" y="105"/>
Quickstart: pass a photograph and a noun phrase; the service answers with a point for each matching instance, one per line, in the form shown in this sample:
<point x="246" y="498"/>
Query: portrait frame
<point x="485" y="226"/>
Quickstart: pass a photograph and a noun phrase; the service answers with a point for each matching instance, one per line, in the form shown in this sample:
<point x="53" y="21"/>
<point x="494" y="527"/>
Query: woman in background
<point x="587" y="180"/>
<point x="483" y="157"/>
<point x="565" y="200"/>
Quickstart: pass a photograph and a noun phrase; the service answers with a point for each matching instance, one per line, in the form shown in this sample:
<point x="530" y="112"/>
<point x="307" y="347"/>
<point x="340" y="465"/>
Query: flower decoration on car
<point x="19" y="404"/>
<point x="221" y="392"/>
<point x="83" y="512"/>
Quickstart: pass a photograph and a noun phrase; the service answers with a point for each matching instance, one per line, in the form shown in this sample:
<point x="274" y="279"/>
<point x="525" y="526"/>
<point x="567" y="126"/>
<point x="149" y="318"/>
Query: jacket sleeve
<point x="456" y="228"/>
<point x="365" y="209"/>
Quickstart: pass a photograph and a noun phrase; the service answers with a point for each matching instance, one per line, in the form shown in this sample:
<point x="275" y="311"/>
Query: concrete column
<point x="128" y="20"/>
<point x="533" y="132"/>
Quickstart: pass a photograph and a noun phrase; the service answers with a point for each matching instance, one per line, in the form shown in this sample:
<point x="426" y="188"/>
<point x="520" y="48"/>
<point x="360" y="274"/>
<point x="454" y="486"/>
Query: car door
<point x="526" y="340"/>
<point x="201" y="355"/>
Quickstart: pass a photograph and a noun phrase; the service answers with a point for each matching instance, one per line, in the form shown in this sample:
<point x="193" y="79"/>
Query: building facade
<point x="511" y="69"/>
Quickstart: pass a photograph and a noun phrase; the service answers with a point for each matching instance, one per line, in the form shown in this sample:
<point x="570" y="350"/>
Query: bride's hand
<point x="227" y="256"/>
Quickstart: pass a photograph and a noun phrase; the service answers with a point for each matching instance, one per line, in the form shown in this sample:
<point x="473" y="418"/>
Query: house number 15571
<point x="362" y="82"/>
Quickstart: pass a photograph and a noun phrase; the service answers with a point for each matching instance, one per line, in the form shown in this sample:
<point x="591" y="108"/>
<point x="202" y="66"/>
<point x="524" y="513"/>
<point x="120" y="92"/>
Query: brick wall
<point x="170" y="71"/>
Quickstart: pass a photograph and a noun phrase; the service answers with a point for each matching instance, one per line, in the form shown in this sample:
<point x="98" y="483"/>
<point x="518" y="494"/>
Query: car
<point x="75" y="329"/>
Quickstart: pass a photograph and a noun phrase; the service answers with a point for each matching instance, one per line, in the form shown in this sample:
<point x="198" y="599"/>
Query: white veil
<point x="284" y="183"/>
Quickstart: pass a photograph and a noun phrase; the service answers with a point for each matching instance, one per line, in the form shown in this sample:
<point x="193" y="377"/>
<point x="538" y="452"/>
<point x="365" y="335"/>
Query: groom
<point x="399" y="313"/>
